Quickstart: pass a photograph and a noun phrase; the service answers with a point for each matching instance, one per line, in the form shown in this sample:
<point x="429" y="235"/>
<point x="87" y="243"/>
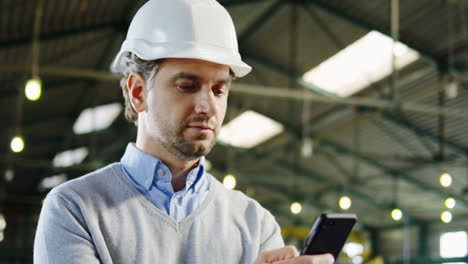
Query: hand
<point x="290" y="255"/>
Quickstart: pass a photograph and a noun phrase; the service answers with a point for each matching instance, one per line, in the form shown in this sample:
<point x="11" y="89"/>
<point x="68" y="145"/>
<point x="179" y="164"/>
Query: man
<point x="159" y="205"/>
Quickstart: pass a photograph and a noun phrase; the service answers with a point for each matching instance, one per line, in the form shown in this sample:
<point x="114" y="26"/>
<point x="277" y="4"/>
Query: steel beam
<point x="422" y="133"/>
<point x="47" y="36"/>
<point x="300" y="95"/>
<point x="400" y="140"/>
<point x="77" y="73"/>
<point x="288" y="73"/>
<point x="392" y="172"/>
<point x="234" y="3"/>
<point x="423" y="233"/>
<point x="260" y="21"/>
<point x="314" y="176"/>
<point x="364" y="25"/>
<point x="252" y="89"/>
<point x="325" y="28"/>
<point x="334" y="161"/>
<point x="336" y="148"/>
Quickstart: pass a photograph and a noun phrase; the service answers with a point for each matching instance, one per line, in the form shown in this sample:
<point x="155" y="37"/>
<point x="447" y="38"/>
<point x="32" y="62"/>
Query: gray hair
<point x="147" y="69"/>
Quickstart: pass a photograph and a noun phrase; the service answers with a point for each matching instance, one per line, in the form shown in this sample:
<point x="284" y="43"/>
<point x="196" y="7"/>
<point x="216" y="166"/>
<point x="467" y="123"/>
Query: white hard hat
<point x="194" y="29"/>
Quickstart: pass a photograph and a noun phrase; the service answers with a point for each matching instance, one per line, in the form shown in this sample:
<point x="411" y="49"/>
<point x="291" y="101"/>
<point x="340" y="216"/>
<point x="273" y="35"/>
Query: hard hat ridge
<point x="197" y="29"/>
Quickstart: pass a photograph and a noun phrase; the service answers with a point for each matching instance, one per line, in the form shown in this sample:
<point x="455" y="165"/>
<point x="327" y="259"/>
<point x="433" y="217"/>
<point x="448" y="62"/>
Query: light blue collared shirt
<point x="153" y="179"/>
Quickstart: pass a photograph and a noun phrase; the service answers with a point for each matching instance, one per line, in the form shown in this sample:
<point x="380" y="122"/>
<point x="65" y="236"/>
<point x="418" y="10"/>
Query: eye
<point x="187" y="87"/>
<point x="219" y="90"/>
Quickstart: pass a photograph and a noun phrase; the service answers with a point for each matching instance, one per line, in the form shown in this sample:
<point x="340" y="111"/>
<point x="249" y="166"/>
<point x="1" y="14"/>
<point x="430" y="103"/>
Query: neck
<point x="179" y="168"/>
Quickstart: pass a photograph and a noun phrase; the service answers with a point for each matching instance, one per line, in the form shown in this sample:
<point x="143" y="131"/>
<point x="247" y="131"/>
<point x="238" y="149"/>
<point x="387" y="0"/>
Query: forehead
<point x="201" y="68"/>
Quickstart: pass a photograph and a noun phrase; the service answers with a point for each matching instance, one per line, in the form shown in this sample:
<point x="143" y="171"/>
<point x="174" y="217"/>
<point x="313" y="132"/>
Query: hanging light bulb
<point x="229" y="181"/>
<point x="345" y="202"/>
<point x="445" y="180"/>
<point x="307" y="148"/>
<point x="396" y="214"/>
<point x="451" y="89"/>
<point x="446" y="217"/>
<point x="17" y="144"/>
<point x="33" y="89"/>
<point x="296" y="208"/>
<point x="9" y="175"/>
<point x="3" y="223"/>
<point x="450" y="203"/>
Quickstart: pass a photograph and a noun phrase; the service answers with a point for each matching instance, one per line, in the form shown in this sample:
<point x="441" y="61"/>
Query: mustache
<point x="198" y="119"/>
<point x="202" y="119"/>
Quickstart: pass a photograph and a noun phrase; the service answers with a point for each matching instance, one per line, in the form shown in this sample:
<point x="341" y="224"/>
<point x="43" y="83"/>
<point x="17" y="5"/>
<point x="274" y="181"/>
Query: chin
<point x="204" y="146"/>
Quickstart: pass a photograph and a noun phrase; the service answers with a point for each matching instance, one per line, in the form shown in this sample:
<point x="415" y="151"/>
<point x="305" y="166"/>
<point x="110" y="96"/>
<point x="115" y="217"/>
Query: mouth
<point x="201" y="127"/>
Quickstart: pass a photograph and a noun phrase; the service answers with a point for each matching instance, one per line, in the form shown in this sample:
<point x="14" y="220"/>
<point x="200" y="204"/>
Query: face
<point x="185" y="104"/>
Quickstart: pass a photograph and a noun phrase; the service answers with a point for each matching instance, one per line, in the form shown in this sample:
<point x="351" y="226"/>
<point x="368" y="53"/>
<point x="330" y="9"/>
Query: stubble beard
<point x="175" y="143"/>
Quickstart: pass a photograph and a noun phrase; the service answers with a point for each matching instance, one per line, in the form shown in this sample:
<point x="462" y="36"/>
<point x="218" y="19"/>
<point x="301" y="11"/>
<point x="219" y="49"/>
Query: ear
<point x="137" y="89"/>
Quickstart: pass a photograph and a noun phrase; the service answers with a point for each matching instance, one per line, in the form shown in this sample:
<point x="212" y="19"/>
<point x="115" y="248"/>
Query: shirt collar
<point x="195" y="176"/>
<point x="140" y="165"/>
<point x="144" y="169"/>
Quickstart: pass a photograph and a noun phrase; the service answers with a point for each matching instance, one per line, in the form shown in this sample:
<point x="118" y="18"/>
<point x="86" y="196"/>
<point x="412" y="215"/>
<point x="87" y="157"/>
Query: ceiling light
<point x="96" y="118"/>
<point x="360" y="64"/>
<point x="70" y="157"/>
<point x="450" y="203"/>
<point x="33" y="89"/>
<point x="229" y="181"/>
<point x="396" y="214"/>
<point x="446" y="217"/>
<point x="17" y="144"/>
<point x="445" y="180"/>
<point x="249" y="129"/>
<point x="296" y="208"/>
<point x="344" y="202"/>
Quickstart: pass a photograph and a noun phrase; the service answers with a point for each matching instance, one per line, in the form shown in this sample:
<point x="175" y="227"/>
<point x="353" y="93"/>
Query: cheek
<point x="222" y="111"/>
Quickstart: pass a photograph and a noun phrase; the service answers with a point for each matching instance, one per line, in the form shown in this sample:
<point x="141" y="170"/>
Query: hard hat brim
<point x="186" y="50"/>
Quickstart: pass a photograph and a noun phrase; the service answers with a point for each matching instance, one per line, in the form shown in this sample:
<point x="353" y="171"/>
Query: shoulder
<point x="96" y="183"/>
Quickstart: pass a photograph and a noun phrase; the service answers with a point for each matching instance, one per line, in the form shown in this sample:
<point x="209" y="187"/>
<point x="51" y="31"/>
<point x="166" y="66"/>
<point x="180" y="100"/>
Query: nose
<point x="205" y="102"/>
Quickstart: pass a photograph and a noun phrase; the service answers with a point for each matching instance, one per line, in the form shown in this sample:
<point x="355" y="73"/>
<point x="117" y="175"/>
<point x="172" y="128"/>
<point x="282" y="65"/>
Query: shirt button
<point x="160" y="172"/>
<point x="147" y="182"/>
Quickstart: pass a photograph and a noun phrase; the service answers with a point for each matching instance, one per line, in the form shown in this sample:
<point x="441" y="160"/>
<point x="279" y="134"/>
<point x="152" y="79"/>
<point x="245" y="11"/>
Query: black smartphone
<point x="329" y="234"/>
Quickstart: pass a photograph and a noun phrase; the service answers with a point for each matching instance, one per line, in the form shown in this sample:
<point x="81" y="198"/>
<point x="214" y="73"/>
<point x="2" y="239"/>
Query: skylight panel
<point x="367" y="60"/>
<point x="97" y="118"/>
<point x="249" y="129"/>
<point x="454" y="244"/>
<point x="52" y="181"/>
<point x="70" y="157"/>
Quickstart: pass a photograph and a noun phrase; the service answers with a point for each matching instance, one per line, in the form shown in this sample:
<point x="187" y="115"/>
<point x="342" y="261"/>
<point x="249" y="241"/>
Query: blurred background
<point x="352" y="106"/>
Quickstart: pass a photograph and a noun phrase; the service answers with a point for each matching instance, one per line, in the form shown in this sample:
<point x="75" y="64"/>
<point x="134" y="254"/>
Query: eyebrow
<point x="194" y="77"/>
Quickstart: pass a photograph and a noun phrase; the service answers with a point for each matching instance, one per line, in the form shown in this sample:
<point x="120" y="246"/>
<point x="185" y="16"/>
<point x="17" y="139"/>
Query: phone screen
<point x="329" y="234"/>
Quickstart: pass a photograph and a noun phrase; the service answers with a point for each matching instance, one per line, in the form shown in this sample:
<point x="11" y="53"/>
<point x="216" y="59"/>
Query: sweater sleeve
<point x="62" y="235"/>
<point x="272" y="234"/>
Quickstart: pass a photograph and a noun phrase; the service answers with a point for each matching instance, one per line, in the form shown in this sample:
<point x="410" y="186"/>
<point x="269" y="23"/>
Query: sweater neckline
<point x="152" y="209"/>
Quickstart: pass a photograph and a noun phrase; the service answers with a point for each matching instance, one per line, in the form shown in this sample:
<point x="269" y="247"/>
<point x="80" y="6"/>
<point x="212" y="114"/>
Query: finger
<point x="309" y="259"/>
<point x="278" y="254"/>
